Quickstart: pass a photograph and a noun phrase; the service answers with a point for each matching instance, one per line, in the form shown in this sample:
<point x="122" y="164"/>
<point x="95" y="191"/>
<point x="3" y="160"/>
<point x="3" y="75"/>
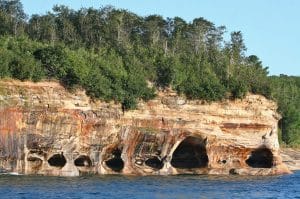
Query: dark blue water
<point x="175" y="187"/>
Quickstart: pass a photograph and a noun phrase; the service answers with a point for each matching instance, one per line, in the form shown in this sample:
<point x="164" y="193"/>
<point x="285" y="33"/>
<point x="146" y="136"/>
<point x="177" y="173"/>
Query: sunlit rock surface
<point x="46" y="130"/>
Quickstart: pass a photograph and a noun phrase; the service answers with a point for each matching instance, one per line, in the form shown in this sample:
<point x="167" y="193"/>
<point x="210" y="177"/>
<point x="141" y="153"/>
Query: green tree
<point x="164" y="72"/>
<point x="53" y="59"/>
<point x="12" y="17"/>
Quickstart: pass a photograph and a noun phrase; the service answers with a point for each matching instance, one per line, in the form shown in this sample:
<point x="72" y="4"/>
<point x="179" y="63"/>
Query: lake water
<point x="160" y="187"/>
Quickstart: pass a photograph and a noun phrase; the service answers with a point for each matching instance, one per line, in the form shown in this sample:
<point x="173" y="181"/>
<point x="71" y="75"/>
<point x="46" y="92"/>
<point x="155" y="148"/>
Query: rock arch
<point x="260" y="158"/>
<point x="34" y="162"/>
<point x="190" y="153"/>
<point x="57" y="160"/>
<point x="155" y="163"/>
<point x="115" y="163"/>
<point x="83" y="161"/>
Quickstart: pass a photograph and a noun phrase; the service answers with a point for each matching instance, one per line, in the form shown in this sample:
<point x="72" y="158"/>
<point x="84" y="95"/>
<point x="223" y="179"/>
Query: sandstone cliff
<point x="46" y="130"/>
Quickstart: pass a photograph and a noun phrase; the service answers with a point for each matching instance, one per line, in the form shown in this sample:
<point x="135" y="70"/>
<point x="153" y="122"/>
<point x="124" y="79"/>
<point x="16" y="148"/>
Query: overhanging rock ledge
<point x="47" y="130"/>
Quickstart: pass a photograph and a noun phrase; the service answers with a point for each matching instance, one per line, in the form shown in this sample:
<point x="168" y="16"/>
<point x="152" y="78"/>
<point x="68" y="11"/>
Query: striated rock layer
<point x="48" y="131"/>
<point x="291" y="157"/>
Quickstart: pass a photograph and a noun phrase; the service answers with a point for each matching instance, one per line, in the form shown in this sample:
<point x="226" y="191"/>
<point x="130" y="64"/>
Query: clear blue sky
<point x="271" y="28"/>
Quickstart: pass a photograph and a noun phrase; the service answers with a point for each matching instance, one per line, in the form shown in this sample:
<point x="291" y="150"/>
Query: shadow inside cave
<point x="116" y="163"/>
<point x="83" y="161"/>
<point x="57" y="160"/>
<point x="190" y="153"/>
<point x="260" y="158"/>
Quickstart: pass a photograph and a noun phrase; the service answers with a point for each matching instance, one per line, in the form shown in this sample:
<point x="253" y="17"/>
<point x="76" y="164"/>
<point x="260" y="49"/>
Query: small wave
<point x="11" y="173"/>
<point x="14" y="174"/>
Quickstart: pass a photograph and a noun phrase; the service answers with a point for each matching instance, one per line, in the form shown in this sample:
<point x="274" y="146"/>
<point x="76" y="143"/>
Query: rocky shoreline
<point x="291" y="157"/>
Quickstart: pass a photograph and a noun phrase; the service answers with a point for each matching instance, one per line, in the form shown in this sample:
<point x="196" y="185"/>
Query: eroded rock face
<point x="46" y="130"/>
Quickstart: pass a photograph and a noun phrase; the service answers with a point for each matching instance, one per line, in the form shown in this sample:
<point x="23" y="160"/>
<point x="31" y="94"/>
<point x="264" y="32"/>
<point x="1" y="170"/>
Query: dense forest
<point x="117" y="55"/>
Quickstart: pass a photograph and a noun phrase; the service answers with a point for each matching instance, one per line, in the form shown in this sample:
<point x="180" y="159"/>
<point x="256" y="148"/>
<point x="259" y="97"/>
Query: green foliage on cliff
<point x="286" y="90"/>
<point x="115" y="55"/>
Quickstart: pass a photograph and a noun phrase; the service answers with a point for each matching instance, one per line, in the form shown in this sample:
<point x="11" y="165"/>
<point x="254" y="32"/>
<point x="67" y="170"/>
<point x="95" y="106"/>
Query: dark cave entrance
<point x="83" y="161"/>
<point x="260" y="158"/>
<point x="190" y="153"/>
<point x="155" y="163"/>
<point x="116" y="163"/>
<point x="57" y="160"/>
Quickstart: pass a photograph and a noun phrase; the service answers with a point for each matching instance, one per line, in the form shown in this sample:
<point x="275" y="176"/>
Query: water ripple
<point x="157" y="187"/>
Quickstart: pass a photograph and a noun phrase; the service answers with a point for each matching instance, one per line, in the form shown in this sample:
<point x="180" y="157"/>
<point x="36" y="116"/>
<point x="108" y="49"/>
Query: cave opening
<point x="116" y="163"/>
<point x="35" y="162"/>
<point x="190" y="153"/>
<point x="154" y="162"/>
<point x="83" y="161"/>
<point x="260" y="158"/>
<point x="57" y="160"/>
